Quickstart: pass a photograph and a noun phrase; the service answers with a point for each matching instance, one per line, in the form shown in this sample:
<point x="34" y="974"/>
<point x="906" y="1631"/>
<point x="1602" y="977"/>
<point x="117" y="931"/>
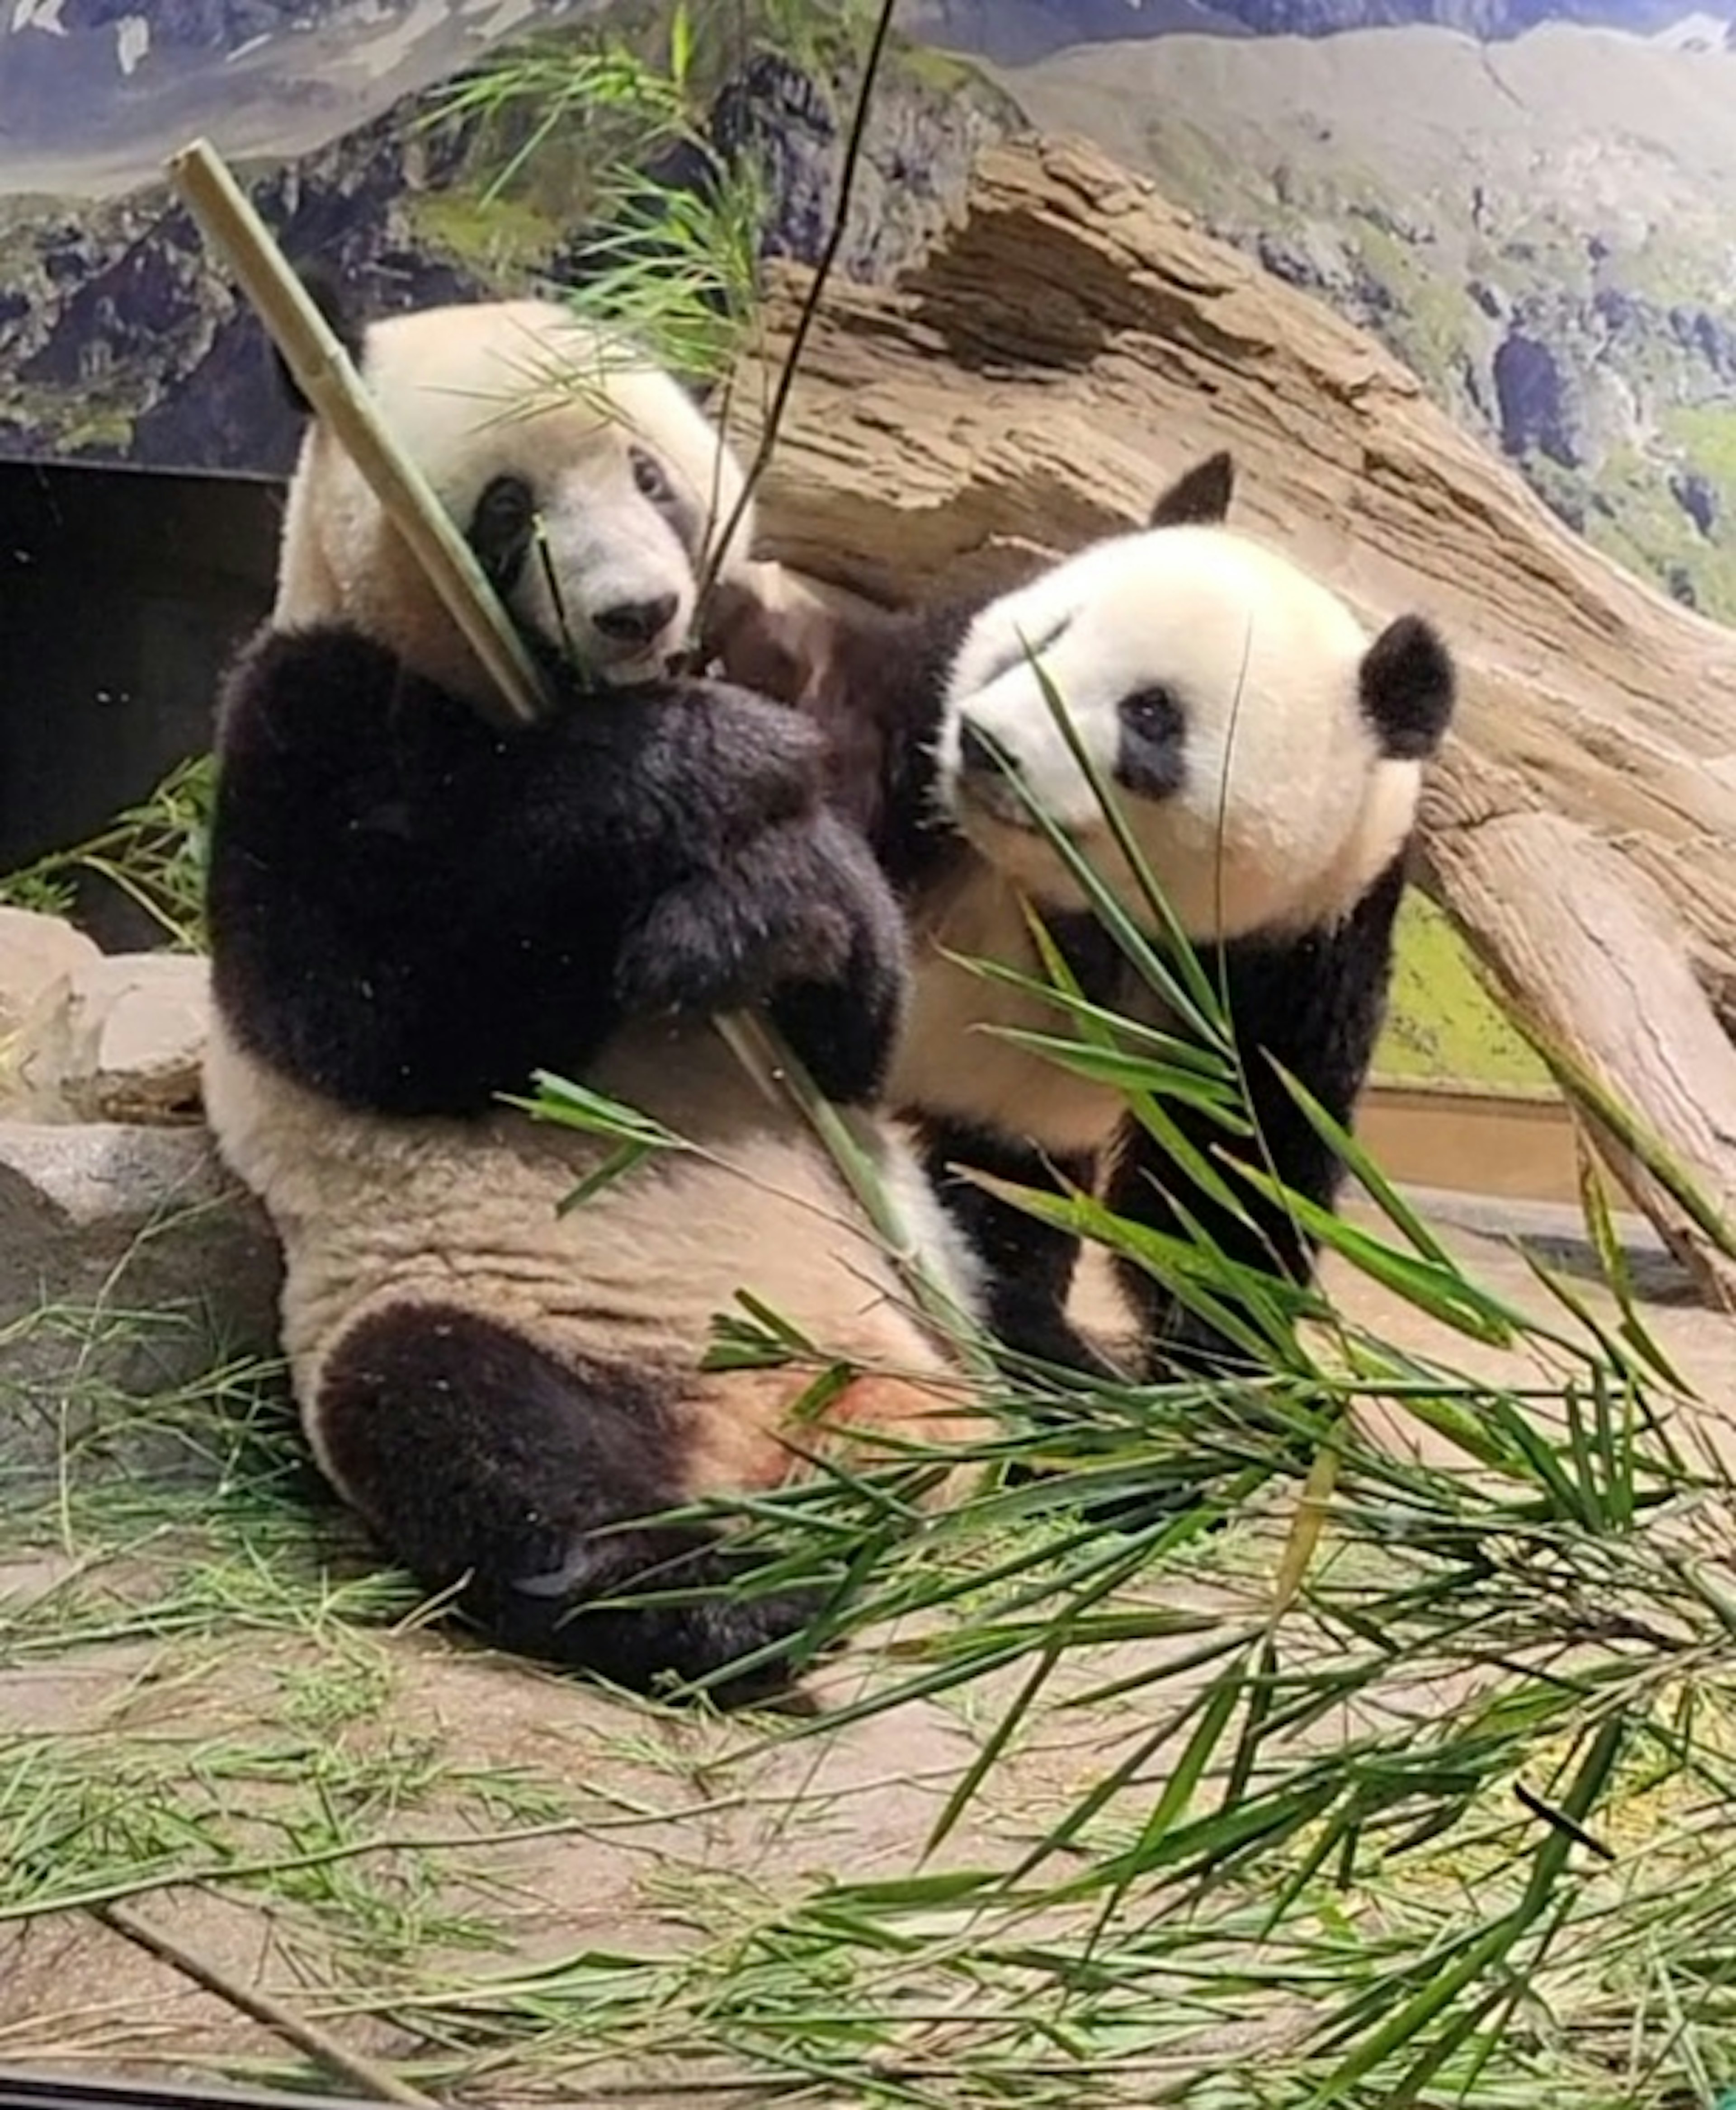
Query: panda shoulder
<point x="293" y="687"/>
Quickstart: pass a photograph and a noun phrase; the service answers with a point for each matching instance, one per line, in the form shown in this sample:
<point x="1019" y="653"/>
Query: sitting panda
<point x="1267" y="754"/>
<point x="411" y="912"/>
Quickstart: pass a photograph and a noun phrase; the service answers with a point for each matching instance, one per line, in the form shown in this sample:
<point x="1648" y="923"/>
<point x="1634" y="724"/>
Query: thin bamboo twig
<point x="854" y="141"/>
<point x="353" y="2067"/>
<point x="26" y="2088"/>
<point x="323" y="370"/>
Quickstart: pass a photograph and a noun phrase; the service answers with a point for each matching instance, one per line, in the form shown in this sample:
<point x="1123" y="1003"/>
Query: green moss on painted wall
<point x="1444" y="1025"/>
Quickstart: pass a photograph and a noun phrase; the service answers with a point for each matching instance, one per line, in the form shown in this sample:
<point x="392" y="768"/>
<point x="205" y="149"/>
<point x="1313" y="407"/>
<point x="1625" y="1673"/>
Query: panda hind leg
<point x="488" y="1468"/>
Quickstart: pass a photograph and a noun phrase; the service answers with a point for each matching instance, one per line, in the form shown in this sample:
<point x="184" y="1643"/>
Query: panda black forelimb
<point x="799" y="919"/>
<point x="844" y="1026"/>
<point x="381" y="859"/>
<point x="1030" y="1264"/>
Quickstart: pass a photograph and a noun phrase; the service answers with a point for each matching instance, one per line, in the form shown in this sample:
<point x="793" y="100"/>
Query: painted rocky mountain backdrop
<point x="1531" y="202"/>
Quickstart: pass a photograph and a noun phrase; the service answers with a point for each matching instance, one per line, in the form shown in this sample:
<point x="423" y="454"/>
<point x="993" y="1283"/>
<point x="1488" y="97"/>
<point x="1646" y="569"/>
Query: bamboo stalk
<point x="324" y="373"/>
<point x="352" y="2066"/>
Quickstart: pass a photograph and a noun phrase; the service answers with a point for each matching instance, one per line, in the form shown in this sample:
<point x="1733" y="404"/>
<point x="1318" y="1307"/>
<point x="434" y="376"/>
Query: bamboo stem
<point x="324" y="373"/>
<point x="354" y="2068"/>
<point x="856" y="141"/>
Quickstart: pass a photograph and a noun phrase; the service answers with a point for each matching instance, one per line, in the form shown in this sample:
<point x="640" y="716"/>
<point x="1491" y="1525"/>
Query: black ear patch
<point x="1409" y="686"/>
<point x="1200" y="497"/>
<point x="327" y="296"/>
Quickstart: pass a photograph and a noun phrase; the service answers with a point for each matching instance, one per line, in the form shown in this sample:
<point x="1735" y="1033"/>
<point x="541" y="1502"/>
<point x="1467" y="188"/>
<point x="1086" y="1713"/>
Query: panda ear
<point x="1199" y="497"/>
<point x="1408" y="685"/>
<point x="328" y="296"/>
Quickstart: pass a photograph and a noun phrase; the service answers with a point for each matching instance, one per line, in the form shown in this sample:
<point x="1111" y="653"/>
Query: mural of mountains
<point x="94" y="93"/>
<point x="1539" y="219"/>
<point x="1533" y="202"/>
<point x="1020" y="32"/>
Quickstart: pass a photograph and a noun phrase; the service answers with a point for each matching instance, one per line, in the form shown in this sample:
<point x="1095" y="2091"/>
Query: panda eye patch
<point x="500" y="528"/>
<point x="1152" y="714"/>
<point x="648" y="475"/>
<point x="1151" y="756"/>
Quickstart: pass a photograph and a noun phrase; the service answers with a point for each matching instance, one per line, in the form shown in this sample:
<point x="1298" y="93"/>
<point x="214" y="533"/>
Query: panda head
<point x="588" y="483"/>
<point x="1266" y="754"/>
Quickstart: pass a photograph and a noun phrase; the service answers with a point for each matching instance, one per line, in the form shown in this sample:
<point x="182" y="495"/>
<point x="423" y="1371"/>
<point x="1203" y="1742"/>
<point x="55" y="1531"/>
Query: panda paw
<point x="709" y="947"/>
<point x="843" y="1025"/>
<point x="737" y="1645"/>
<point x="800" y="919"/>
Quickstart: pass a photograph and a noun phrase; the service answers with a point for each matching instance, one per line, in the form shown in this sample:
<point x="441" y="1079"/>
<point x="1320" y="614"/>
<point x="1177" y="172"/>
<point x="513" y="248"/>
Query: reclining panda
<point x="1267" y="754"/>
<point x="411" y="913"/>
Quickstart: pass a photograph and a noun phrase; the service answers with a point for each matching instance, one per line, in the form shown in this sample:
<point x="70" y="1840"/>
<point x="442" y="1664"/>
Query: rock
<point x="1698" y="497"/>
<point x="130" y="1265"/>
<point x="36" y="953"/>
<point x="123" y="291"/>
<point x="916" y="151"/>
<point x="1533" y="395"/>
<point x="120" y="1038"/>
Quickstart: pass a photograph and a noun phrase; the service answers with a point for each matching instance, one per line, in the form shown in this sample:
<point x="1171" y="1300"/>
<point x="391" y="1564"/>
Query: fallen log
<point x="1071" y="343"/>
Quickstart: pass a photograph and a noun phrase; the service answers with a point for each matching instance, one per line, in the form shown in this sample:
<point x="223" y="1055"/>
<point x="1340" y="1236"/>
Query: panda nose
<point x="638" y="621"/>
<point x="977" y="756"/>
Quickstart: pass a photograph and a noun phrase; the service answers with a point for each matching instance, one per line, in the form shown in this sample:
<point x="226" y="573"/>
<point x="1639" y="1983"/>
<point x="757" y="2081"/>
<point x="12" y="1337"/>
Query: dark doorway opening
<point x="123" y="593"/>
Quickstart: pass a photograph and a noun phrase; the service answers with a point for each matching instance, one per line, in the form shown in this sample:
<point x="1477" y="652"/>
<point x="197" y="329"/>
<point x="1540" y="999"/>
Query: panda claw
<point x="554" y="1581"/>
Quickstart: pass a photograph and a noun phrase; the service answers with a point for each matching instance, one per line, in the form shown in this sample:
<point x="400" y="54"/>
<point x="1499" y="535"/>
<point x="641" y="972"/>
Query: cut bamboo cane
<point x="324" y="373"/>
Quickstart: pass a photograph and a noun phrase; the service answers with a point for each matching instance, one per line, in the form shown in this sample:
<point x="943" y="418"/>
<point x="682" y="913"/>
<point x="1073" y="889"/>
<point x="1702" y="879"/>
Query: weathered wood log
<point x="1075" y="340"/>
<point x="1587" y="950"/>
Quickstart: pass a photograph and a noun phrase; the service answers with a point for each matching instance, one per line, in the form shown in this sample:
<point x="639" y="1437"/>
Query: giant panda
<point x="411" y="912"/>
<point x="1268" y="755"/>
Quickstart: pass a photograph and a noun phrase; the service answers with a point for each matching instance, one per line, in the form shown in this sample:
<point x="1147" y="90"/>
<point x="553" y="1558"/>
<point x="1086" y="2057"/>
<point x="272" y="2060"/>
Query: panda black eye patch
<point x="1150" y="758"/>
<point x="501" y="530"/>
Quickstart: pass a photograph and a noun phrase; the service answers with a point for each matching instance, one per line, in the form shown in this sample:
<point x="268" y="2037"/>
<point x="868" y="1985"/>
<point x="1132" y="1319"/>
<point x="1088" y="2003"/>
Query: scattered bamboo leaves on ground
<point x="1423" y="1797"/>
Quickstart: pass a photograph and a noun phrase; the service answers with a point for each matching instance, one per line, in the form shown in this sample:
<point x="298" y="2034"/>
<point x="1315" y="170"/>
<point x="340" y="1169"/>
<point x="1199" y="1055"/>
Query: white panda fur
<point x="411" y="912"/>
<point x="1281" y="780"/>
<point x="377" y="1213"/>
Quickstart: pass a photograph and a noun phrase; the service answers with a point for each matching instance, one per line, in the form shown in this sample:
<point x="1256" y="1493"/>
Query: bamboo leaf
<point x="570" y="1105"/>
<point x="1201" y="1006"/>
<point x="1130" y="1073"/>
<point x="1109" y="1029"/>
<point x="681" y="45"/>
<point x="1612" y="1260"/>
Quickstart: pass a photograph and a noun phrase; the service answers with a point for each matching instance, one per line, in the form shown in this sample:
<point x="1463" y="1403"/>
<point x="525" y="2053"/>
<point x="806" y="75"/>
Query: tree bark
<point x="1073" y="343"/>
